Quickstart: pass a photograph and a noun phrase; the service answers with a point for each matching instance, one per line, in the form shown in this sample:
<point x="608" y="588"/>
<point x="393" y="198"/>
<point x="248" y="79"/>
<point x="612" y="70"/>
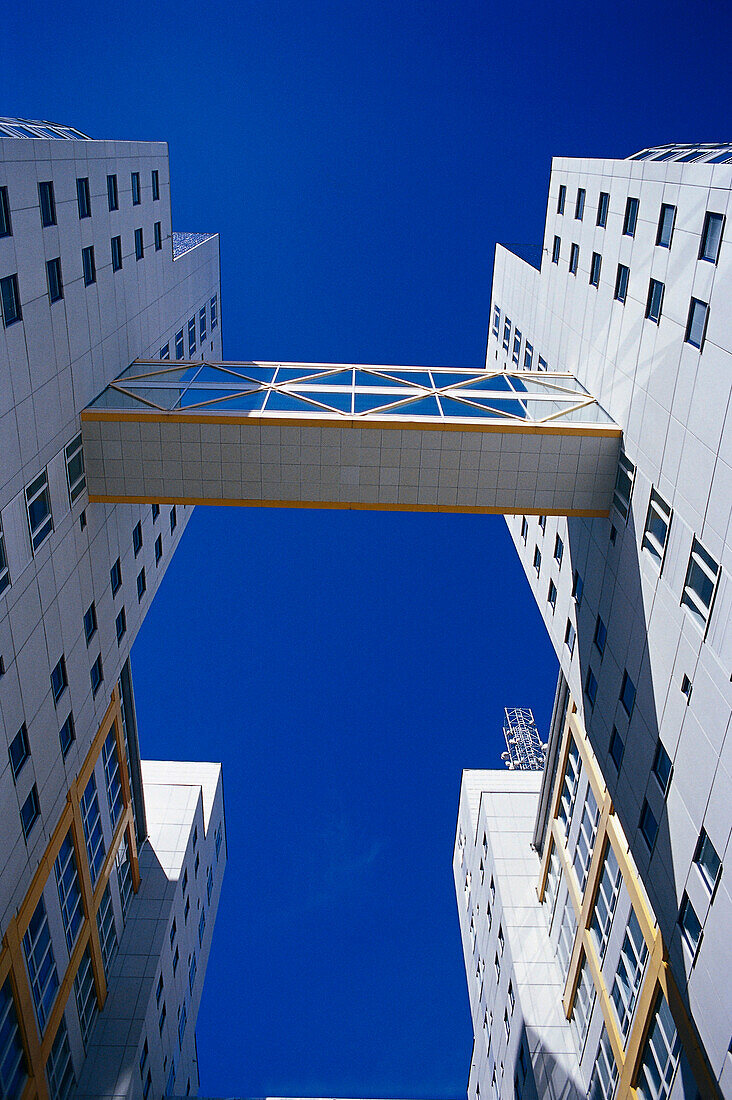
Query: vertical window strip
<point x="603" y="912"/>
<point x="112" y="776"/>
<point x="629" y="975"/>
<point x="59" y="1067"/>
<point x="124" y="875"/>
<point x="13" y="1066"/>
<point x="106" y="929"/>
<point x="93" y="835"/>
<point x="86" y="996"/>
<point x="586" y="838"/>
<point x="69" y="890"/>
<point x="41" y="964"/>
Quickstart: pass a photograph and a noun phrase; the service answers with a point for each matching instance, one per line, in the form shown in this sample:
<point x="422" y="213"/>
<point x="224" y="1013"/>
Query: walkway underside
<point x="344" y="436"/>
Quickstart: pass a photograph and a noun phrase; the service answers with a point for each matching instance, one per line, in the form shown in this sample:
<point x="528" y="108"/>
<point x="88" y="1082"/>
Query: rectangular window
<point x="90" y="623"/>
<point x="528" y="356"/>
<point x="595" y="267"/>
<point x="561" y="198"/>
<point x="605" y="901"/>
<point x="92" y="822"/>
<point x="691" y="930"/>
<point x="541" y="520"/>
<point x="665" y="230"/>
<point x="600" y="635"/>
<point x="191" y="335"/>
<point x="139" y="248"/>
<point x="506" y="333"/>
<point x="47" y="203"/>
<point x="116" y="245"/>
<point x="658" y="523"/>
<point x="135" y="178"/>
<point x="556" y="250"/>
<point x="179" y="344"/>
<point x="182" y="1018"/>
<point x="96" y="675"/>
<point x="586" y="839"/>
<point x="629" y="975"/>
<point x="59" y="679"/>
<point x="107" y="930"/>
<point x="137" y="538"/>
<point x="537" y="560"/>
<point x="569" y="636"/>
<point x="158" y="548"/>
<point x="112" y="778"/>
<point x="219" y="836"/>
<point x="4" y="574"/>
<point x="660" y="1056"/>
<point x="67" y="734"/>
<point x="158" y="236"/>
<point x="19" y="751"/>
<point x="584" y="1001"/>
<point x="59" y="1067"/>
<point x="10" y="299"/>
<point x="662" y="767"/>
<point x="6" y="229"/>
<point x="120" y="625"/>
<point x="496" y="320"/>
<point x="617" y="748"/>
<point x="624" y="486"/>
<point x="711" y="239"/>
<point x="542" y="364"/>
<point x="552" y="595"/>
<point x="209" y="885"/>
<point x="696" y="325"/>
<point x="648" y="824"/>
<point x="700" y="584"/>
<point x="552" y="881"/>
<point x="115" y="577"/>
<point x="627" y="693"/>
<point x="55" y="282"/>
<point x="88" y="266"/>
<point x="578" y="587"/>
<point x="155" y="178"/>
<point x="86" y="996"/>
<point x="630" y="220"/>
<point x="524" y="529"/>
<point x="173" y="519"/>
<point x="604" y="1072"/>
<point x="516" y="346"/>
<point x="202" y="325"/>
<point x="124" y="875"/>
<point x="165" y="351"/>
<point x="621" y="283"/>
<point x="654" y="302"/>
<point x="573" y="259"/>
<point x="570" y="783"/>
<point x="215" y="312"/>
<point x="172" y="935"/>
<point x="707" y="860"/>
<point x="41" y="964"/>
<point x="558" y="550"/>
<point x="567" y="933"/>
<point x="112" y="193"/>
<point x="83" y="198"/>
<point x="579" y="206"/>
<point x="603" y="206"/>
<point x="155" y="511"/>
<point x="141" y="584"/>
<point x="75" y="474"/>
<point x="69" y="890"/>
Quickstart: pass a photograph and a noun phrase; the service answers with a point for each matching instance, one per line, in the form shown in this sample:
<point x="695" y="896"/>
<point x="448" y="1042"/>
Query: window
<point x="569" y="787"/>
<point x="542" y="364"/>
<point x="106" y="929"/>
<point x="219" y="834"/>
<point x="55" y="282"/>
<point x="506" y="1024"/>
<point x="59" y="1067"/>
<point x="88" y="265"/>
<point x="201" y="926"/>
<point x="10" y="298"/>
<point x="158" y="549"/>
<point x="143" y="1056"/>
<point x="184" y="882"/>
<point x="631" y="217"/>
<point x="92" y="822"/>
<point x="59" y="680"/>
<point x="202" y="325"/>
<point x="141" y="584"/>
<point x="135" y="177"/>
<point x="96" y="675"/>
<point x="624" y="486"/>
<point x="621" y="283"/>
<point x="506" y="333"/>
<point x="155" y="511"/>
<point x="627" y="693"/>
<point x="516" y="345"/>
<point x="600" y="635"/>
<point x="155" y="179"/>
<point x="586" y="838"/>
<point x="707" y="860"/>
<point x="497" y="966"/>
<point x="660" y="1056"/>
<point x="75" y="475"/>
<point x="214" y="312"/>
<point x="579" y="206"/>
<point x="176" y="960"/>
<point x="561" y="199"/>
<point x="584" y="1001"/>
<point x="567" y="933"/>
<point x="191" y="335"/>
<point x="112" y="193"/>
<point x="115" y="577"/>
<point x="41" y="963"/>
<point x="83" y="198"/>
<point x="662" y="767"/>
<point x="86" y="995"/>
<point x="124" y="875"/>
<point x="700" y="584"/>
<point x="67" y="734"/>
<point x="658" y="522"/>
<point x="186" y="910"/>
<point x="665" y="229"/>
<point x="603" y="206"/>
<point x="6" y="229"/>
<point x="605" y="901"/>
<point x="604" y="1072"/>
<point x="648" y="824"/>
<point x="537" y="560"/>
<point x="541" y="520"/>
<point x="570" y="635"/>
<point x="528" y="356"/>
<point x="501" y="940"/>
<point x="595" y="269"/>
<point x="573" y="259"/>
<point x="511" y="997"/>
<point x="147" y="1086"/>
<point x="617" y="748"/>
<point x="696" y="325"/>
<point x="179" y="344"/>
<point x="524" y="530"/>
<point x="165" y="351"/>
<point x="496" y="320"/>
<point x="47" y="203"/>
<point x="191" y="972"/>
<point x="112" y="776"/>
<point x="172" y="935"/>
<point x="4" y="577"/>
<point x="691" y="930"/>
<point x="552" y="880"/>
<point x="552" y="595"/>
<point x="711" y="239"/>
<point x="139" y="248"/>
<point x="173" y="519"/>
<point x="654" y="301"/>
<point x="181" y="1023"/>
<point x="158" y="236"/>
<point x="90" y="622"/>
<point x="558" y="550"/>
<point x="19" y="751"/>
<point x="116" y="244"/>
<point x="161" y="1018"/>
<point x="578" y="586"/>
<point x="38" y="507"/>
<point x="137" y="538"/>
<point x="209" y="885"/>
<point x="629" y="975"/>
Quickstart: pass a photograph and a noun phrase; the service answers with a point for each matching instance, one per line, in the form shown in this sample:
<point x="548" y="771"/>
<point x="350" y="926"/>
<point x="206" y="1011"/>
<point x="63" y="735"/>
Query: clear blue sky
<point x="360" y="161"/>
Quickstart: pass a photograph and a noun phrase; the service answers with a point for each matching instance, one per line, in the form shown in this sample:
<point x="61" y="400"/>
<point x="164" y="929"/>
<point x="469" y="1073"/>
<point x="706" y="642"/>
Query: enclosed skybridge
<point x="351" y="436"/>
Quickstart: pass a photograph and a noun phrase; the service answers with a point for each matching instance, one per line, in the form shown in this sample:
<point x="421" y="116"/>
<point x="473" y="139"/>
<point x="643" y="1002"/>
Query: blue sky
<point x="360" y="161"/>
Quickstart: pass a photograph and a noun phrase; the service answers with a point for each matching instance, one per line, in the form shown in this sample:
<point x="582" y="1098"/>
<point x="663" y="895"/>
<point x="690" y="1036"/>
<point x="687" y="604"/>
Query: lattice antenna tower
<point x="525" y="750"/>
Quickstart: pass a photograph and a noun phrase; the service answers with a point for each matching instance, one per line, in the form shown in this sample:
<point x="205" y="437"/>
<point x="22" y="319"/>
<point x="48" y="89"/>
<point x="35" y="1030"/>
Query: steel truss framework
<point x="524" y="749"/>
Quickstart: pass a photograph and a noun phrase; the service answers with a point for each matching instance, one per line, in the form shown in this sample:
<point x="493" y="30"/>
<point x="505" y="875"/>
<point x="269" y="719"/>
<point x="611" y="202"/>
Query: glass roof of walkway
<point x="352" y="392"/>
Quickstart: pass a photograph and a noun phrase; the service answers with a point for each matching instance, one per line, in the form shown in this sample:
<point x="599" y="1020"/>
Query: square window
<point x="90" y="623"/>
<point x="38" y="508"/>
<point x="158" y="236"/>
<point x="202" y="325"/>
<point x="88" y="265"/>
<point x="595" y="267"/>
<point x="648" y="825"/>
<point x="654" y="301"/>
<point x="191" y="335"/>
<point x="155" y="177"/>
<point x="600" y="635"/>
<point x="47" y="203"/>
<point x="67" y="734"/>
<point x="627" y="693"/>
<point x="139" y="248"/>
<point x="711" y="239"/>
<point x="579" y="206"/>
<point x="136" y="198"/>
<point x="570" y="635"/>
<point x="10" y="299"/>
<point x="558" y="550"/>
<point x="631" y="217"/>
<point x="116" y="245"/>
<point x="700" y="584"/>
<point x="173" y="519"/>
<point x="573" y="259"/>
<point x="158" y="548"/>
<point x="556" y="250"/>
<point x="617" y="748"/>
<point x="621" y="283"/>
<point x="179" y="344"/>
<point x="6" y="229"/>
<point x="561" y="198"/>
<point x="19" y="751"/>
<point x="112" y="193"/>
<point x="658" y="523"/>
<point x="591" y="687"/>
<point x="528" y="356"/>
<point x="662" y="767"/>
<point x="55" y="282"/>
<point x="665" y="230"/>
<point x="691" y="930"/>
<point x="115" y="577"/>
<point x="603" y="206"/>
<point x="137" y="538"/>
<point x="30" y="811"/>
<point x="537" y="560"/>
<point x="141" y="584"/>
<point x="707" y="861"/>
<point x="624" y="480"/>
<point x="696" y="325"/>
<point x="96" y="675"/>
<point x="552" y="595"/>
<point x="120" y="625"/>
<point x="83" y="198"/>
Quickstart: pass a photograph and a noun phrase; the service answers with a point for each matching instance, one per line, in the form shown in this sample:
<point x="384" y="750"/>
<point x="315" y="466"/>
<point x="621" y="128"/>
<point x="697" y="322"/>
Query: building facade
<point x="91" y="278"/>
